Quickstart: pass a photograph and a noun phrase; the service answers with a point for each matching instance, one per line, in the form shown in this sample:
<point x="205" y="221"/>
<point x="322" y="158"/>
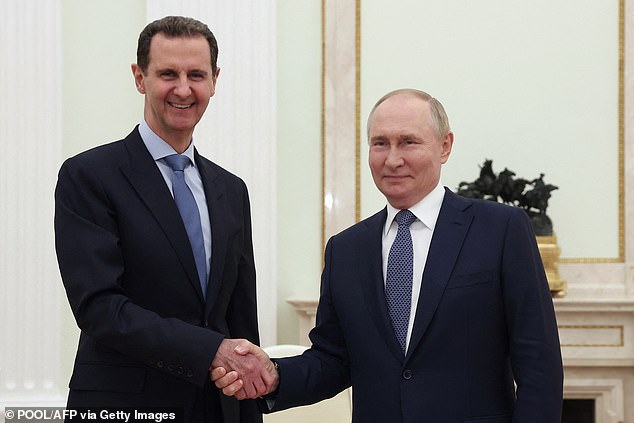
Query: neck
<point x="178" y="145"/>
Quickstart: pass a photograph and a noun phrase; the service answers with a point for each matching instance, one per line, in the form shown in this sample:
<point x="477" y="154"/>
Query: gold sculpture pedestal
<point x="549" y="251"/>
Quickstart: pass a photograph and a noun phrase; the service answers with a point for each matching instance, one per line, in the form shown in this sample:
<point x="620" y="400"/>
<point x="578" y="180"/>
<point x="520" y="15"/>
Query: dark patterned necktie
<point x="400" y="270"/>
<point x="189" y="213"/>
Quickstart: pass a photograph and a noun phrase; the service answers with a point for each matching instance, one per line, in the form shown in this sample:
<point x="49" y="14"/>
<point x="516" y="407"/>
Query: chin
<point x="183" y="125"/>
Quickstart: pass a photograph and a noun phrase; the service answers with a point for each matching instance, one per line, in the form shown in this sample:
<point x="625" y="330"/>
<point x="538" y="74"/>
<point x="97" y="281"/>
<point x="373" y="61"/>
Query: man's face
<point x="405" y="153"/>
<point x="178" y="84"/>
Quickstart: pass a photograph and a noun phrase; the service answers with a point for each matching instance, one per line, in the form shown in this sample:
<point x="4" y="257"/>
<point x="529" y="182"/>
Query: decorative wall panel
<point x="31" y="297"/>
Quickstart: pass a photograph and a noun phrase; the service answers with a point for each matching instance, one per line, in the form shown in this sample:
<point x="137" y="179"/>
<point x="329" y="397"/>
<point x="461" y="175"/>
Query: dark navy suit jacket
<point x="147" y="335"/>
<point x="484" y="322"/>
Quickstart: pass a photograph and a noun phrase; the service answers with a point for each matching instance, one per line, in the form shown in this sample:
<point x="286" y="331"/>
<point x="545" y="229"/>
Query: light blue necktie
<point x="189" y="213"/>
<point x="400" y="271"/>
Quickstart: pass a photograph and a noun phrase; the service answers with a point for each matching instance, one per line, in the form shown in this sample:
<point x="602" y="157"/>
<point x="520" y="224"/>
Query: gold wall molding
<point x="621" y="152"/>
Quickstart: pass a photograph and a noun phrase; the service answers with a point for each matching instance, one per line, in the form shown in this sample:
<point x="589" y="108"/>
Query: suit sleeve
<point x="241" y="315"/>
<point x="242" y="309"/>
<point x="92" y="266"/>
<point x="534" y="341"/>
<point x="323" y="370"/>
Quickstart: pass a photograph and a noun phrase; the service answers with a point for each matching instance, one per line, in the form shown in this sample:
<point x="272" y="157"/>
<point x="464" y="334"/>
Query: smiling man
<point x="154" y="247"/>
<point x="436" y="308"/>
<point x="407" y="148"/>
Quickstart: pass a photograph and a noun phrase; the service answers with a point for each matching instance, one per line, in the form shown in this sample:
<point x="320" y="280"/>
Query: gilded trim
<point x="323" y="125"/>
<point x="619" y="327"/>
<point x="357" y="110"/>
<point x="622" y="130"/>
<point x="621" y="152"/>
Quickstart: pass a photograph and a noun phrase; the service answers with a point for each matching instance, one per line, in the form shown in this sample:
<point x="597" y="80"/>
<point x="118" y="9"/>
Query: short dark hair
<point x="174" y="26"/>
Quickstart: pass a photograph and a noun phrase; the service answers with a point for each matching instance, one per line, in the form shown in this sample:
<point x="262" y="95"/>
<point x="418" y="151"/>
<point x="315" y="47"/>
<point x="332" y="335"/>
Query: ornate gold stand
<point x="549" y="251"/>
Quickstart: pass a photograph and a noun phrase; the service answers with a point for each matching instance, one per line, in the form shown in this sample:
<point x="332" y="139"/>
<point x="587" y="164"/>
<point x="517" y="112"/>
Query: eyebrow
<point x="409" y="135"/>
<point x="201" y="71"/>
<point x="168" y="69"/>
<point x="400" y="136"/>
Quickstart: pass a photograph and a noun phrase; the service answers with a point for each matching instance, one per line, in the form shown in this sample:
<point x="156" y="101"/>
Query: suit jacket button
<point x="407" y="374"/>
<point x="160" y="364"/>
<point x="190" y="373"/>
<point x="171" y="368"/>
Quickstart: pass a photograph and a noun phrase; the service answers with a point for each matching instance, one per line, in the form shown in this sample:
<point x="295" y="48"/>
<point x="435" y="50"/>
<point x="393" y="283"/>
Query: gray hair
<point x="439" y="118"/>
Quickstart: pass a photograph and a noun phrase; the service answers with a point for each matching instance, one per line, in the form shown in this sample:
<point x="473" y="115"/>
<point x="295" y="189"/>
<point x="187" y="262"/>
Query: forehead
<point x="404" y="111"/>
<point x="179" y="51"/>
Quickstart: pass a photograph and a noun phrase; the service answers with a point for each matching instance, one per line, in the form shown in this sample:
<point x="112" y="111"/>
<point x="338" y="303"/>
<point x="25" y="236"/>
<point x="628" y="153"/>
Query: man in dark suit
<point x="471" y="338"/>
<point x="154" y="308"/>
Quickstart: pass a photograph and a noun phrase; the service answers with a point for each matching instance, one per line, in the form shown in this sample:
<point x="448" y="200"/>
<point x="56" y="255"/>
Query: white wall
<point x="299" y="158"/>
<point x="100" y="102"/>
<point x="30" y="145"/>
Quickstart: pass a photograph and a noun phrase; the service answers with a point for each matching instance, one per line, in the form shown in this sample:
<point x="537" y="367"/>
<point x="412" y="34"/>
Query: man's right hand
<point x="243" y="370"/>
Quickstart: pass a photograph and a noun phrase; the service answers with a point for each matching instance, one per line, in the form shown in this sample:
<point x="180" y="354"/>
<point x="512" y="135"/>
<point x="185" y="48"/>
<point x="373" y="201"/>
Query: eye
<point x="197" y="76"/>
<point x="167" y="74"/>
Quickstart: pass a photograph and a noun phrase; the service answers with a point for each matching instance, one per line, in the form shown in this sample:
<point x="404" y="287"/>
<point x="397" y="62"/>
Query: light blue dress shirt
<point x="159" y="149"/>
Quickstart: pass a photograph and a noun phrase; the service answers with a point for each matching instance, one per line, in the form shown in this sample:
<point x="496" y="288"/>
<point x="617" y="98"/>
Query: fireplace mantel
<point x="596" y="332"/>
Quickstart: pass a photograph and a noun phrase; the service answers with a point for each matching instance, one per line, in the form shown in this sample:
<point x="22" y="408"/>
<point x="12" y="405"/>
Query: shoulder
<point x="93" y="166"/>
<point x="105" y="155"/>
<point x="371" y="226"/>
<point x="479" y="207"/>
<point x="97" y="156"/>
<point x="483" y="216"/>
<point x="212" y="171"/>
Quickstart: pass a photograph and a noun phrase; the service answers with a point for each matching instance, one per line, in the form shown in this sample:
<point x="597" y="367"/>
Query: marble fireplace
<point x="597" y="343"/>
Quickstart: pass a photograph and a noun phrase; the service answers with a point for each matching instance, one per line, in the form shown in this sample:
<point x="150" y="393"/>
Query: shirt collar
<point x="157" y="147"/>
<point x="426" y="210"/>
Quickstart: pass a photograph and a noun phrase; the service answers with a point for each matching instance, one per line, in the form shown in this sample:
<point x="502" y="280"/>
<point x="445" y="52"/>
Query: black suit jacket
<point x="484" y="321"/>
<point x="147" y="336"/>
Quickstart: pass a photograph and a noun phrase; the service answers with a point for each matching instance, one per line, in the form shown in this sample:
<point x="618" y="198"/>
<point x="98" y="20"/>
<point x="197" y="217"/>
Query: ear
<point x="213" y="82"/>
<point x="447" y="143"/>
<point x="138" y="78"/>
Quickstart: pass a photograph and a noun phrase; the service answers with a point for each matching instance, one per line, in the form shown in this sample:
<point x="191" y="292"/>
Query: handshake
<point x="243" y="370"/>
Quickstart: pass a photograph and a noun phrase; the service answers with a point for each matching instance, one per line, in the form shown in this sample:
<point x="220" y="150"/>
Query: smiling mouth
<point x="181" y="106"/>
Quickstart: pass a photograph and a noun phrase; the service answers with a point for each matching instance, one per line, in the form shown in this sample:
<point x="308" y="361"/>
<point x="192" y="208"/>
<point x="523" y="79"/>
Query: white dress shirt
<point x="422" y="229"/>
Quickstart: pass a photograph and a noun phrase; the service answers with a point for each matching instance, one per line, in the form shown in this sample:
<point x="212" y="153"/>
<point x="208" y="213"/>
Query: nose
<point x="394" y="158"/>
<point x="182" y="88"/>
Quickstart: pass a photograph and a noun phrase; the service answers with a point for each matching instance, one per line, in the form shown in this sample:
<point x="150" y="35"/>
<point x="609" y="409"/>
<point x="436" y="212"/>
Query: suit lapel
<point x="146" y="178"/>
<point x="450" y="231"/>
<point x="369" y="260"/>
<point x="214" y="193"/>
